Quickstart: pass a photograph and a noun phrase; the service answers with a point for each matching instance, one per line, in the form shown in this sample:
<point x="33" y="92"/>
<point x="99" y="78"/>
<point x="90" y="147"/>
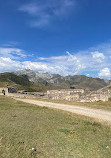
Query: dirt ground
<point x="98" y="114"/>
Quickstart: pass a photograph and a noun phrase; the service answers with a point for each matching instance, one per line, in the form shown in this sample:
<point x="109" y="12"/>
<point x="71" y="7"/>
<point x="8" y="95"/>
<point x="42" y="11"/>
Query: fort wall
<point x="78" y="95"/>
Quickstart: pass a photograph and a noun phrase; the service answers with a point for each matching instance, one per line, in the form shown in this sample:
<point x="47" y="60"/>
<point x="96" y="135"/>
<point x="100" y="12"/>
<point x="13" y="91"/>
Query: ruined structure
<point x="93" y="96"/>
<point x="12" y="89"/>
<point x="35" y="94"/>
<point x="79" y="95"/>
<point x="65" y="94"/>
<point x="5" y="89"/>
<point x="8" y="90"/>
<point x="13" y="92"/>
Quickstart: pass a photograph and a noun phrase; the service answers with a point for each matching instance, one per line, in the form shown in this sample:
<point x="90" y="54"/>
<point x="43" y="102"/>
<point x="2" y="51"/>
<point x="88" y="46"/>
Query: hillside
<point x="104" y="89"/>
<point x="85" y="82"/>
<point x="55" y="81"/>
<point x="21" y="82"/>
<point x="12" y="78"/>
<point x="35" y="81"/>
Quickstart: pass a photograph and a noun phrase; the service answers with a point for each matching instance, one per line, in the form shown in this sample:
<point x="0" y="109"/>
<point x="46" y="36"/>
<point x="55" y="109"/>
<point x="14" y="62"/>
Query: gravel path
<point x="98" y="114"/>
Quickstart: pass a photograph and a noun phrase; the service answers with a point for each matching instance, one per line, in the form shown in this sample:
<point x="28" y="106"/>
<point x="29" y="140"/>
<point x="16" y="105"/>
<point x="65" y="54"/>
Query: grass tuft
<point x="65" y="131"/>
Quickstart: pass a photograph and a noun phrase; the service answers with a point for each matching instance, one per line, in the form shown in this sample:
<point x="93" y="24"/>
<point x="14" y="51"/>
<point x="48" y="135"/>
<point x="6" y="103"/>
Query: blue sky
<point x="57" y="36"/>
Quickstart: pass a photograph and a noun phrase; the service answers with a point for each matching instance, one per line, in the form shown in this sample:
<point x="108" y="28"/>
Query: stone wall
<point x="106" y="91"/>
<point x="28" y="95"/>
<point x="72" y="97"/>
<point x="13" y="92"/>
<point x="79" y="95"/>
<point x="64" y="94"/>
<point x="64" y="91"/>
<point x="3" y="88"/>
<point x="93" y="97"/>
<point x="12" y="89"/>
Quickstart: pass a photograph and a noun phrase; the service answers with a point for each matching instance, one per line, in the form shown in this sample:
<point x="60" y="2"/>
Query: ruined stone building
<point x="5" y="89"/>
<point x="8" y="90"/>
<point x="65" y="94"/>
<point x="79" y="95"/>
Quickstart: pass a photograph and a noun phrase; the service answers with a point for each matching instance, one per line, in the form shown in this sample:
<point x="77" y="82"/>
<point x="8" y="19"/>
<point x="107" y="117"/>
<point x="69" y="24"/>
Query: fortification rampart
<point x="78" y="95"/>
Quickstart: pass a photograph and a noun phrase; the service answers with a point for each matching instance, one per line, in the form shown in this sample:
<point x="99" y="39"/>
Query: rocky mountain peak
<point x="56" y="80"/>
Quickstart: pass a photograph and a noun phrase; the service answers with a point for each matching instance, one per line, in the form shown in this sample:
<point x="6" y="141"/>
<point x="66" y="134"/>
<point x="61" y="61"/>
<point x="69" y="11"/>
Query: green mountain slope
<point x="55" y="81"/>
<point x="21" y="82"/>
<point x="34" y="81"/>
<point x="82" y="81"/>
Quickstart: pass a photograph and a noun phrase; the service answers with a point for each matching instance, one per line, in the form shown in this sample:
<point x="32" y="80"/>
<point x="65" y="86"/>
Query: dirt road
<point x="100" y="115"/>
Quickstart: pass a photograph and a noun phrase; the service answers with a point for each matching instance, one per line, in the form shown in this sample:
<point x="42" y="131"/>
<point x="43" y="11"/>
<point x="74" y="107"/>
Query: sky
<point x="66" y="37"/>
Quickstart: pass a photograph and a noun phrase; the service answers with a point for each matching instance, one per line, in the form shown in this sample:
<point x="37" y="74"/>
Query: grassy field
<point x="28" y="131"/>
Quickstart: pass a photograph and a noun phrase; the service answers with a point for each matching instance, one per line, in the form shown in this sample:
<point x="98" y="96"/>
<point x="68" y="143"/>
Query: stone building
<point x="78" y="95"/>
<point x="92" y="97"/>
<point x="106" y="91"/>
<point x="12" y="89"/>
<point x="65" y="94"/>
<point x="8" y="90"/>
<point x="5" y="89"/>
<point x="74" y="97"/>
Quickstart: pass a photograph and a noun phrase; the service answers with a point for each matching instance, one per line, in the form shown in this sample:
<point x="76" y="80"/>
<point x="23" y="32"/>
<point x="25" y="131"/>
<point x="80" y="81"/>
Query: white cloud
<point x="88" y="75"/>
<point x="37" y="66"/>
<point x="97" y="56"/>
<point x="13" y="53"/>
<point x="6" y="64"/>
<point x="105" y="73"/>
<point x="10" y="44"/>
<point x="91" y="61"/>
<point x="42" y="12"/>
<point x="65" y="65"/>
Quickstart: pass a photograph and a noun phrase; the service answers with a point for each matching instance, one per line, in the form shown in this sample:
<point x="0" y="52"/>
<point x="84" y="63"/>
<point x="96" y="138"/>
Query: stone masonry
<point x="3" y="88"/>
<point x="79" y="95"/>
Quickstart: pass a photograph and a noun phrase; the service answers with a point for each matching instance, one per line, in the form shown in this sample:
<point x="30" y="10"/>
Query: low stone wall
<point x="16" y="95"/>
<point x="28" y="95"/>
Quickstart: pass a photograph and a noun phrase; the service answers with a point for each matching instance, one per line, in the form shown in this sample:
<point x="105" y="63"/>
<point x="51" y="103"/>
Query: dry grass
<point x="52" y="133"/>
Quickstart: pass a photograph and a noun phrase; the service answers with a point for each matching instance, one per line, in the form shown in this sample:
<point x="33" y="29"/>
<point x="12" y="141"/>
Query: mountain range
<point x="21" y="82"/>
<point x="56" y="81"/>
<point x="40" y="82"/>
